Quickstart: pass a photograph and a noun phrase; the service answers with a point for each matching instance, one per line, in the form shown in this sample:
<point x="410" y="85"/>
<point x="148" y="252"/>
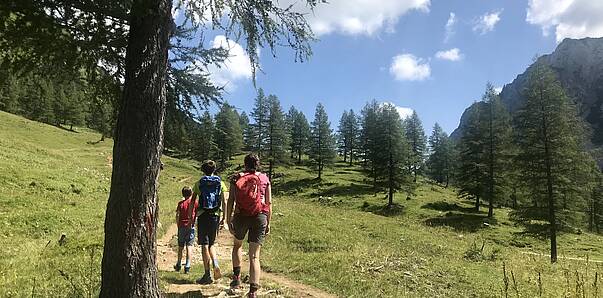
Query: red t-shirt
<point x="183" y="211"/>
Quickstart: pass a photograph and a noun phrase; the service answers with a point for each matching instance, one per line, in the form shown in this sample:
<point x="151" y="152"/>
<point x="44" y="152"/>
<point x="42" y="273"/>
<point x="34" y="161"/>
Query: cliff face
<point x="579" y="67"/>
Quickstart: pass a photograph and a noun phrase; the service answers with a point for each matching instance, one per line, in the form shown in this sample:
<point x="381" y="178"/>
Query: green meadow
<point x="333" y="234"/>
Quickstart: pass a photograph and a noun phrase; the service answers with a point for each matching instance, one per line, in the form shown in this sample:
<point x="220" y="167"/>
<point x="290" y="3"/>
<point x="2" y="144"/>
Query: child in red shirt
<point x="186" y="229"/>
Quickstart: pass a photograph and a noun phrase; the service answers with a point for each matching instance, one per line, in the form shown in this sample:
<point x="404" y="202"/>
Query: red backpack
<point x="249" y="194"/>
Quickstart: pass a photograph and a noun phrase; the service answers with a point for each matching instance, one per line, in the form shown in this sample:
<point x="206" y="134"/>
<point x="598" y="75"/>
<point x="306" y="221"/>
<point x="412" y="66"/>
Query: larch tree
<point x="595" y="206"/>
<point x="277" y="139"/>
<point x="259" y="114"/>
<point x="289" y="121"/>
<point x="417" y="140"/>
<point x="369" y="138"/>
<point x="246" y="129"/>
<point x="204" y="145"/>
<point x="440" y="160"/>
<point x="348" y="131"/>
<point x="497" y="154"/>
<point x="391" y="160"/>
<point x="471" y="146"/>
<point x="299" y="135"/>
<point x="227" y="133"/>
<point x="552" y="157"/>
<point x="322" y="148"/>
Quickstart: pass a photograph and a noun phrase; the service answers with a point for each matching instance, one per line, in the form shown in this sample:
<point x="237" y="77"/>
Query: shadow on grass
<point x="177" y="281"/>
<point x="533" y="220"/>
<point x="189" y="294"/>
<point x="461" y="222"/>
<point x="297" y="185"/>
<point x="383" y="210"/>
<point x="445" y="206"/>
<point x="350" y="190"/>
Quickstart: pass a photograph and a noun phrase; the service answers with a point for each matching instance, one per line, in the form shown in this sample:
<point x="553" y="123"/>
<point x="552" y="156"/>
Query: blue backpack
<point x="210" y="188"/>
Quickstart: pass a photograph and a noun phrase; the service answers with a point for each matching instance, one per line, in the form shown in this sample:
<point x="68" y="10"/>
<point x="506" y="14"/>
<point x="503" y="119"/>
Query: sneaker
<point x="205" y="280"/>
<point x="217" y="273"/>
<point x="177" y="267"/>
<point x="236" y="282"/>
<point x="187" y="270"/>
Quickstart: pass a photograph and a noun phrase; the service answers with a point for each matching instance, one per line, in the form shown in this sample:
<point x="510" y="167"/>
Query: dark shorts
<point x="207" y="225"/>
<point x="255" y="225"/>
<point x="186" y="236"/>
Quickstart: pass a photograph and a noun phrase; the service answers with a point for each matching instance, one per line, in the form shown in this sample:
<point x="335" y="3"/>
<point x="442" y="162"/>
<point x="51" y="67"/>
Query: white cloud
<point x="568" y="18"/>
<point x="236" y="67"/>
<point x="487" y="22"/>
<point x="407" y="67"/>
<point x="175" y="12"/>
<point x="449" y="28"/>
<point x="451" y="55"/>
<point x="356" y="17"/>
<point x="404" y="112"/>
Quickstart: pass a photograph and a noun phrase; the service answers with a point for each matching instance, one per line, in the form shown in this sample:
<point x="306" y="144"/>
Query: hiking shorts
<point x="186" y="236"/>
<point x="255" y="225"/>
<point x="207" y="226"/>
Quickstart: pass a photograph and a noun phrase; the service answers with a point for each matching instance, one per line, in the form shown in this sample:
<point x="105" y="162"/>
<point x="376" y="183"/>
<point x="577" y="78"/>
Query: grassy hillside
<point x="54" y="181"/>
<point x="333" y="233"/>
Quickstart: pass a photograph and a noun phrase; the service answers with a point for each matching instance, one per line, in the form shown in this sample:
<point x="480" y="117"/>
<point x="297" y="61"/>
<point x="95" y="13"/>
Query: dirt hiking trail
<point x="178" y="284"/>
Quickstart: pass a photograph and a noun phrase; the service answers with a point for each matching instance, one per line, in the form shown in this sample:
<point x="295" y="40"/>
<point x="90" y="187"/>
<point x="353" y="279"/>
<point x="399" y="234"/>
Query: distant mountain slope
<point x="578" y="64"/>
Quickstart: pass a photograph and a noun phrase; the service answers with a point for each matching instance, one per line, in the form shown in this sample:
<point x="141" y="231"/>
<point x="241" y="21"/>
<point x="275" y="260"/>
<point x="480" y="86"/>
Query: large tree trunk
<point x="128" y="266"/>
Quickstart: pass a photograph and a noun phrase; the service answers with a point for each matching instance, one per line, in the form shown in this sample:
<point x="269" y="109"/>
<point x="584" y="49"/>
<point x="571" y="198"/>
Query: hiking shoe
<point x="217" y="273"/>
<point x="236" y="282"/>
<point x="187" y="270"/>
<point x="177" y="267"/>
<point x="205" y="280"/>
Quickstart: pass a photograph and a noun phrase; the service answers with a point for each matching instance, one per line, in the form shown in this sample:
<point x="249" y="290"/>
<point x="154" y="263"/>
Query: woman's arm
<point x="268" y="202"/>
<point x="191" y="208"/>
<point x="230" y="207"/>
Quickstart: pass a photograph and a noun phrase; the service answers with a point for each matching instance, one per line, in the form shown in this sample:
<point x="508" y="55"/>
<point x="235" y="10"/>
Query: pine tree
<point x="299" y="134"/>
<point x="322" y="150"/>
<point x="260" y="115"/>
<point x="277" y="137"/>
<point x="227" y="133"/>
<point x="471" y="147"/>
<point x="417" y="140"/>
<point x="551" y="155"/>
<point x="440" y="161"/>
<point x="497" y="153"/>
<point x="391" y="159"/>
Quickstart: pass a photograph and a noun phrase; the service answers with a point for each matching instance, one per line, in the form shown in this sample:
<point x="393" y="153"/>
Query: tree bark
<point x="477" y="203"/>
<point x="128" y="265"/>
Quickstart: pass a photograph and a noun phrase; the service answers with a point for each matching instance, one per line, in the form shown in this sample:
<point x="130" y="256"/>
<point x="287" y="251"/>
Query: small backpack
<point x="210" y="187"/>
<point x="249" y="194"/>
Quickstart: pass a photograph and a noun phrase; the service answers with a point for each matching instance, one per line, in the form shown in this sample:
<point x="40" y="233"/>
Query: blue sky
<point x="388" y="50"/>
